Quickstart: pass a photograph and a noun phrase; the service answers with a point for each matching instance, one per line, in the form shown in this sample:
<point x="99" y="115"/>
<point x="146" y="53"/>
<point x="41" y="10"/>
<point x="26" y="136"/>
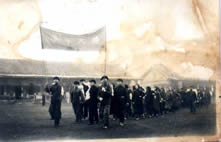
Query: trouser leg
<point x="85" y="108"/>
<point x="95" y="113"/>
<point x="121" y="112"/>
<point x="51" y="111"/>
<point x="101" y="112"/>
<point x="91" y="114"/>
<point x="106" y="115"/>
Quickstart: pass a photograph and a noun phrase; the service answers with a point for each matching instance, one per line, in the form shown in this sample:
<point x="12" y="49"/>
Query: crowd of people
<point x="96" y="102"/>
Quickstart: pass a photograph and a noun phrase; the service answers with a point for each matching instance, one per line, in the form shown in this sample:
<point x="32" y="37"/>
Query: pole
<point x="105" y="53"/>
<point x="44" y="65"/>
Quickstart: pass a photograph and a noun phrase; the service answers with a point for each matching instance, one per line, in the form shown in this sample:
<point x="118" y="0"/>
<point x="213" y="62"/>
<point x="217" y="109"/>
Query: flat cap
<point x="120" y="80"/>
<point x="76" y="83"/>
<point x="56" y="78"/>
<point x="92" y="80"/>
<point x="104" y="77"/>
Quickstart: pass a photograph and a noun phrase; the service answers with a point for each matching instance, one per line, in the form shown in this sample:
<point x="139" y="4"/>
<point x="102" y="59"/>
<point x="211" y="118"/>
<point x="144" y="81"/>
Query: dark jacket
<point x="138" y="96"/>
<point x="55" y="91"/>
<point x="77" y="96"/>
<point x="192" y="96"/>
<point x="149" y="98"/>
<point x="156" y="101"/>
<point x="106" y="95"/>
<point x="93" y="94"/>
<point x="120" y="94"/>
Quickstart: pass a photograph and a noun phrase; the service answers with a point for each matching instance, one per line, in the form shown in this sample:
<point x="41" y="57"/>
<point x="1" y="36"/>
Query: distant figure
<point x="55" y="106"/>
<point x="67" y="96"/>
<point x="43" y="99"/>
<point x="149" y="102"/>
<point x="192" y="99"/>
<point x="128" y="111"/>
<point x="156" y="101"/>
<point x="105" y="93"/>
<point x="77" y="100"/>
<point x="138" y="101"/>
<point x="93" y="101"/>
<point x="18" y="92"/>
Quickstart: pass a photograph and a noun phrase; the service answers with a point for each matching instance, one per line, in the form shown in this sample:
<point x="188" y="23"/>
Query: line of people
<point x="121" y="101"/>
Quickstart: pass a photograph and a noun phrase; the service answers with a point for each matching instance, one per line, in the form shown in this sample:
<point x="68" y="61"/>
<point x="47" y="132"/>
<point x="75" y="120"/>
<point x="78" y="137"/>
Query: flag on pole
<point x="87" y="42"/>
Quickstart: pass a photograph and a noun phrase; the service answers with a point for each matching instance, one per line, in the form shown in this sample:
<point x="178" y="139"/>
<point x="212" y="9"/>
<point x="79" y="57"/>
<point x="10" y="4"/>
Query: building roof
<point x="158" y="74"/>
<point x="33" y="68"/>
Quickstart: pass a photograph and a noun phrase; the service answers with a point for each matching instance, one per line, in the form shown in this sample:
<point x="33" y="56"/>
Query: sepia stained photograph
<point x="101" y="70"/>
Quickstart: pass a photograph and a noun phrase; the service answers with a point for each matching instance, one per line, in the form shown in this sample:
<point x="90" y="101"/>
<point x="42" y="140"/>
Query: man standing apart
<point x="121" y="100"/>
<point x="105" y="93"/>
<point x="55" y="106"/>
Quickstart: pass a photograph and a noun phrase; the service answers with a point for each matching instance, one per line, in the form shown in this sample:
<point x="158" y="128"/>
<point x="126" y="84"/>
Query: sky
<point x="182" y="35"/>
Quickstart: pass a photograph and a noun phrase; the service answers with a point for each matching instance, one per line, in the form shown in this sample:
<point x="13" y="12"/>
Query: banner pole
<point x="105" y="50"/>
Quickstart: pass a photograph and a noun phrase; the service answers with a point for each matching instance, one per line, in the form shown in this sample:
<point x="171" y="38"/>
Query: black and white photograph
<point x="101" y="70"/>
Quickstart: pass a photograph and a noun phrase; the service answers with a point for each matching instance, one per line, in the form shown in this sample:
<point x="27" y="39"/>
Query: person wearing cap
<point x="55" y="106"/>
<point x="162" y="101"/>
<point x="77" y="99"/>
<point x="105" y="93"/>
<point x="192" y="99"/>
<point x="128" y="110"/>
<point x="120" y="94"/>
<point x="93" y="101"/>
<point x="149" y="101"/>
<point x="137" y="100"/>
<point x="156" y="101"/>
<point x="84" y="88"/>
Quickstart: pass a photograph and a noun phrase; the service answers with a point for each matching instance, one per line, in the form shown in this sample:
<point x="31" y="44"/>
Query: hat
<point x="76" y="83"/>
<point x="148" y="88"/>
<point x="126" y="86"/>
<point x="56" y="78"/>
<point x="119" y="80"/>
<point x="92" y="80"/>
<point x="104" y="77"/>
<point x="82" y="80"/>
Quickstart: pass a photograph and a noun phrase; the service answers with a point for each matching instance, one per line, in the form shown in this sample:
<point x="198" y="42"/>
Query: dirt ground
<point x="25" y="121"/>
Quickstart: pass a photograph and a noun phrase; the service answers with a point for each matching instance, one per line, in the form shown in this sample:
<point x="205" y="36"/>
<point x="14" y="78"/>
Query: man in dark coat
<point x="192" y="99"/>
<point x="85" y="88"/>
<point x="128" y="111"/>
<point x="162" y="101"/>
<point x="120" y="94"/>
<point x="93" y="101"/>
<point x="137" y="100"/>
<point x="77" y="99"/>
<point x="183" y="97"/>
<point x="156" y="101"/>
<point x="149" y="102"/>
<point x="55" y="106"/>
<point x="113" y="109"/>
<point x="105" y="93"/>
<point x="18" y="92"/>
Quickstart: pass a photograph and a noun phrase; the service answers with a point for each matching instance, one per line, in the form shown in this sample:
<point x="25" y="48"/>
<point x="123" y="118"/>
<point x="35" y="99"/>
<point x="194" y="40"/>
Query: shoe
<point x="90" y="123"/>
<point x="105" y="127"/>
<point x="56" y="125"/>
<point x="121" y="124"/>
